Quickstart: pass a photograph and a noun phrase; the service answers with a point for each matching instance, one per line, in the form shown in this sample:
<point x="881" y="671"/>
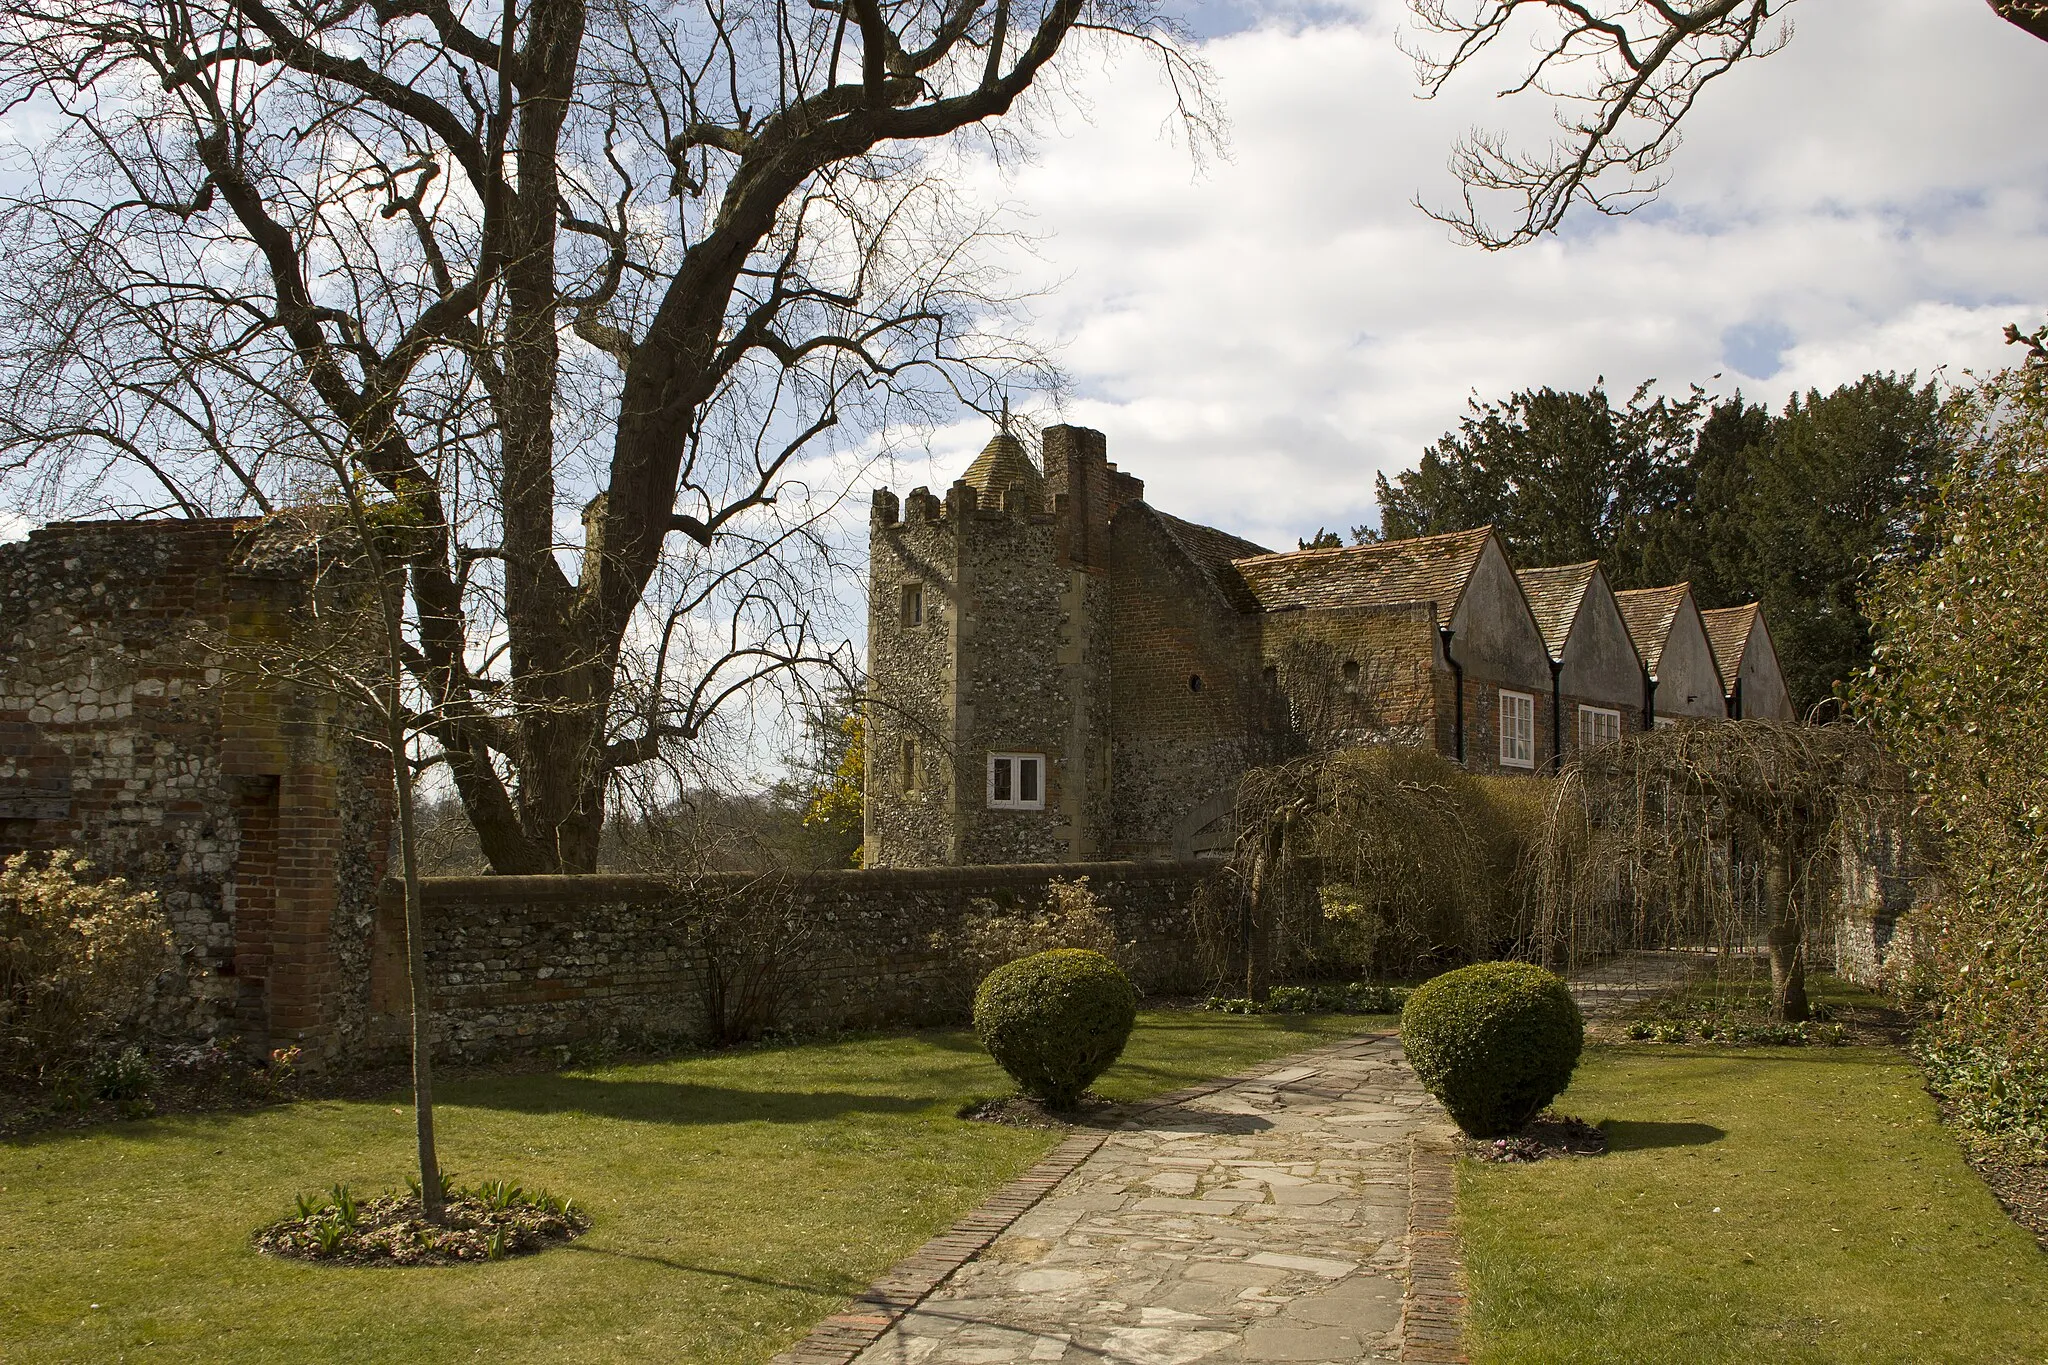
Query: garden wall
<point x="523" y="963"/>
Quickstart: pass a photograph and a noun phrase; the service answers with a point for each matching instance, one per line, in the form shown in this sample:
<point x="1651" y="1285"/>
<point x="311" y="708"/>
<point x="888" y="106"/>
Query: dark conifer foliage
<point x="1797" y="509"/>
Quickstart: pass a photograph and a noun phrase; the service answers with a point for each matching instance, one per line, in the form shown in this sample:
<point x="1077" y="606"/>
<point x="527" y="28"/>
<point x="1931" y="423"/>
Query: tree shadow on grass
<point x="1641" y="1135"/>
<point x="675" y="1102"/>
<point x="843" y="1289"/>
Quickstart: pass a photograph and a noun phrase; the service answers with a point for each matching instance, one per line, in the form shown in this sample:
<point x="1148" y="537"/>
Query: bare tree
<point x="637" y="260"/>
<point x="1714" y="836"/>
<point x="1623" y="75"/>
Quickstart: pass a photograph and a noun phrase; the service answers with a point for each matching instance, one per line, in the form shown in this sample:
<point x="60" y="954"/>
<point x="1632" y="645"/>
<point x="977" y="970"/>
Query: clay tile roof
<point x="1649" y="614"/>
<point x="1728" y="632"/>
<point x="1215" y="552"/>
<point x="1002" y="465"/>
<point x="1554" y="596"/>
<point x="1390" y="573"/>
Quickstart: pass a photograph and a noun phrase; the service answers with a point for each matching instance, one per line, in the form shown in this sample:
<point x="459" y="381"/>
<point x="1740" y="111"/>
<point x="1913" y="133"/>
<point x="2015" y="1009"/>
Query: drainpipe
<point x="1556" y="718"/>
<point x="1735" y="700"/>
<point x="1649" y="701"/>
<point x="1458" y="696"/>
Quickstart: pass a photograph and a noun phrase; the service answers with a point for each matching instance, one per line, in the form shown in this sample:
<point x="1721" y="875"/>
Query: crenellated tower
<point x="988" y="720"/>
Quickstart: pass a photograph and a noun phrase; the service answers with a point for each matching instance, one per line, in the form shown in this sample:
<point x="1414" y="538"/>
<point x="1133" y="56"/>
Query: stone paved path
<point x="1265" y="1221"/>
<point x="1302" y="1213"/>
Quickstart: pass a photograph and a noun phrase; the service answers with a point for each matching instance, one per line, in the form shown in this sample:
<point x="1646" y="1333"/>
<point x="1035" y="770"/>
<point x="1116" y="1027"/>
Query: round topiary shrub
<point x="1055" y="1021"/>
<point x="1495" y="1042"/>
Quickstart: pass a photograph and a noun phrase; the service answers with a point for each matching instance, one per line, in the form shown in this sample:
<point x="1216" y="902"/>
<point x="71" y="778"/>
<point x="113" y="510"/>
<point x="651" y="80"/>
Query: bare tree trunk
<point x="1258" y="955"/>
<point x="1786" y="938"/>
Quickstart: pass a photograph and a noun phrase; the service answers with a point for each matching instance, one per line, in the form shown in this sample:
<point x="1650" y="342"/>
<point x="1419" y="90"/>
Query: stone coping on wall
<point x="599" y="887"/>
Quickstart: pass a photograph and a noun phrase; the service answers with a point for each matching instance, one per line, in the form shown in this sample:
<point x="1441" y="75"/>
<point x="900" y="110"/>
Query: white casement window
<point x="1517" y="730"/>
<point x="1016" y="781"/>
<point x="910" y="773"/>
<point x="1598" y="725"/>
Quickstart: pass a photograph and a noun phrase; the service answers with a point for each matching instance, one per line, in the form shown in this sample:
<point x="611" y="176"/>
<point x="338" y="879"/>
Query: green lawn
<point x="1760" y="1205"/>
<point x="738" y="1198"/>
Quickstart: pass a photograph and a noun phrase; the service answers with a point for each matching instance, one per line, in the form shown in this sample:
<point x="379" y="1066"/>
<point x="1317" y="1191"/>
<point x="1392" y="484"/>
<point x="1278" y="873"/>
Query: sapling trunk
<point x="391" y="603"/>
<point x="431" y="1204"/>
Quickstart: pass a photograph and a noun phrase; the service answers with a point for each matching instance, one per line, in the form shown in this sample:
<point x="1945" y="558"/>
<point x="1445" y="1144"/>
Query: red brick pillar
<point x="304" y="977"/>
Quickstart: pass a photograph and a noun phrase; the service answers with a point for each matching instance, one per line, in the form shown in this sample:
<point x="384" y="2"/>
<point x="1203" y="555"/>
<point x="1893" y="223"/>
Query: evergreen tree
<point x="1838" y="487"/>
<point x="1563" y="477"/>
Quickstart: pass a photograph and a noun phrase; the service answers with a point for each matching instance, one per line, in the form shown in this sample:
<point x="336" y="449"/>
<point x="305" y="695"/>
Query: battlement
<point x="961" y="503"/>
<point x="1079" y="491"/>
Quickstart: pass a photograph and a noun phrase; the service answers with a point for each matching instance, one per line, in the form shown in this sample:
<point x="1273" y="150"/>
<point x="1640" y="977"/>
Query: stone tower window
<point x="1351" y="675"/>
<point x="913" y="604"/>
<point x="908" y="771"/>
<point x="1016" y="781"/>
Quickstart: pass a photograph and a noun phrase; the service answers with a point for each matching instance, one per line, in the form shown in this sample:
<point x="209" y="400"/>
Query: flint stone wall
<point x="525" y="963"/>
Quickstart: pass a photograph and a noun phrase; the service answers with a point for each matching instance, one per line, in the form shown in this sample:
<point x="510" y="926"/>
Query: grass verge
<point x="1757" y="1205"/>
<point x="737" y="1197"/>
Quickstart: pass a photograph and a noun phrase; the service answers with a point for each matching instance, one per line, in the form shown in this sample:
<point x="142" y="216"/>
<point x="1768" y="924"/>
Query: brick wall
<point x="1355" y="675"/>
<point x="521" y="963"/>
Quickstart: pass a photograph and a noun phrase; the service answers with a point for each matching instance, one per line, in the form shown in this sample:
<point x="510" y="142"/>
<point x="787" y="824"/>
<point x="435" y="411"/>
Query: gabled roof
<point x="1390" y="573"/>
<point x="1213" y="551"/>
<point x="1728" y="632"/>
<point x="1003" y="465"/>
<point x="1554" y="596"/>
<point x="1650" y="613"/>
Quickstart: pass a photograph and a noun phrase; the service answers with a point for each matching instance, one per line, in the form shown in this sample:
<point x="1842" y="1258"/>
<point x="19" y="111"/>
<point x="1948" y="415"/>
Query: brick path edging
<point x="1433" y="1310"/>
<point x="843" y="1336"/>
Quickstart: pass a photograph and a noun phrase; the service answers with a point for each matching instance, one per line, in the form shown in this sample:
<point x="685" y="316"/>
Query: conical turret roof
<point x="1003" y="465"/>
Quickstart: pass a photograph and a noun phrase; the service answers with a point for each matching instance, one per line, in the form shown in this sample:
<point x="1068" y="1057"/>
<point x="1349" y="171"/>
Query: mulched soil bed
<point x="1021" y="1111"/>
<point x="391" y="1230"/>
<point x="2022" y="1186"/>
<point x="1549" y="1134"/>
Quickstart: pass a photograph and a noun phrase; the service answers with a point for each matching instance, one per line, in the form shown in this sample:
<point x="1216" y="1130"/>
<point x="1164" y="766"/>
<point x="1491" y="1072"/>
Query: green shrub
<point x="77" y="958"/>
<point x="1055" y="1021"/>
<point x="1357" y="998"/>
<point x="1495" y="1042"/>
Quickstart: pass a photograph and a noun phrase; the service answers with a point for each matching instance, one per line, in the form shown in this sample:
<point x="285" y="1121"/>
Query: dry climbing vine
<point x="1713" y="836"/>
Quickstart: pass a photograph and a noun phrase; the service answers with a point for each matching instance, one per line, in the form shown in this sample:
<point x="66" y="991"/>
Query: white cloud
<point x="1258" y="342"/>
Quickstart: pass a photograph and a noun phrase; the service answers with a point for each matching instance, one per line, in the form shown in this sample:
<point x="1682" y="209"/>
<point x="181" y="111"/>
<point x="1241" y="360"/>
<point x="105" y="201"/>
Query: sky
<point x="1260" y="336"/>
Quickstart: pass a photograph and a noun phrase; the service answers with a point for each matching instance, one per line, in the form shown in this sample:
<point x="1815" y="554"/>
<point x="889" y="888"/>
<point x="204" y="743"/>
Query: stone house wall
<point x="1599" y="668"/>
<point x="1760" y="691"/>
<point x="133" y="727"/>
<point x="1023" y="677"/>
<point x="1189" y="712"/>
<point x="523" y="963"/>
<point x="1688" y="680"/>
<point x="912" y="737"/>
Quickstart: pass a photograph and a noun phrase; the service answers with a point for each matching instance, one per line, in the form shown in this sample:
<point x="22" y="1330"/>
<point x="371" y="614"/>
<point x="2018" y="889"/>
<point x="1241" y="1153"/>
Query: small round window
<point x="1194" y="682"/>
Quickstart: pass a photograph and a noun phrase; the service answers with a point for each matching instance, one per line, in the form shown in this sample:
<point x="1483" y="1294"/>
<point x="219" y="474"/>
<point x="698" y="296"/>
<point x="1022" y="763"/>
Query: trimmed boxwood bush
<point x="1055" y="1021"/>
<point x="1495" y="1042"/>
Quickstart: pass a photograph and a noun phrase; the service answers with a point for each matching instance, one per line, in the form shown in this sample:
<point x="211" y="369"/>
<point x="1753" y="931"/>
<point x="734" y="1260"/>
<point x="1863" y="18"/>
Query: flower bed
<point x="488" y="1223"/>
